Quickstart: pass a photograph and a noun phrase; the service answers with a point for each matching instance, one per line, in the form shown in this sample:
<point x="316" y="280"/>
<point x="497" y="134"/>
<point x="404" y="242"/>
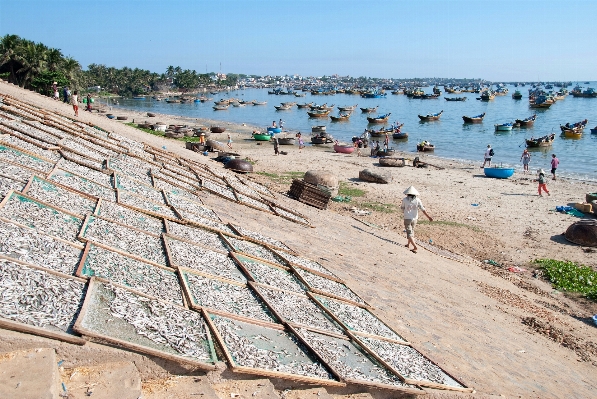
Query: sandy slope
<point x="473" y="319"/>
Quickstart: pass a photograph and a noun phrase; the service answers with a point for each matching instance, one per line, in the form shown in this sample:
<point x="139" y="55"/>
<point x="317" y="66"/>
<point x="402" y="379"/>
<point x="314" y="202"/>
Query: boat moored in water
<point x="474" y="119"/>
<point x="379" y="118"/>
<point x="504" y="127"/>
<point x="431" y="117"/>
<point x="544" y="141"/>
<point x="526" y="122"/>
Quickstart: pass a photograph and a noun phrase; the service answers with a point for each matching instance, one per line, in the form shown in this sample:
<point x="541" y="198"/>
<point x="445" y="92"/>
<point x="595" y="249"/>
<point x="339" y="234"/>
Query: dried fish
<point x="60" y="197"/>
<point x="130" y="217"/>
<point x="46" y="219"/>
<point x="124" y="182"/>
<point x="306" y="263"/>
<point x="20" y="158"/>
<point x="8" y="183"/>
<point x="246" y="200"/>
<point x="175" y="179"/>
<point x="16" y="142"/>
<point x="270" y="275"/>
<point x="219" y="189"/>
<point x="241" y="188"/>
<point x="358" y="319"/>
<point x="350" y="361"/>
<point x="38" y="298"/>
<point x="140" y="203"/>
<point x="226" y="297"/>
<point x="289" y="215"/>
<point x="197" y="235"/>
<point x="31" y="246"/>
<point x="298" y="309"/>
<point x="181" y="204"/>
<point x="181" y="171"/>
<point x="328" y="286"/>
<point x="257" y="186"/>
<point x="269" y="349"/>
<point x="77" y="163"/>
<point x="141" y="276"/>
<point x="125" y="239"/>
<point x="76" y="146"/>
<point x="184" y="254"/>
<point x="256" y="250"/>
<point x="29" y="129"/>
<point x="89" y="170"/>
<point x="82" y="184"/>
<point x="259" y="237"/>
<point x="48" y="129"/>
<point x="201" y="221"/>
<point x="175" y="191"/>
<point x="162" y="180"/>
<point x="182" y="330"/>
<point x="16" y="172"/>
<point x="409" y="362"/>
<point x="132" y="167"/>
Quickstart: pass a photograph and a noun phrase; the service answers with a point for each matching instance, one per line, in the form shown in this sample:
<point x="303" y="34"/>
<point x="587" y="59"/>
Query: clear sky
<point x="526" y="40"/>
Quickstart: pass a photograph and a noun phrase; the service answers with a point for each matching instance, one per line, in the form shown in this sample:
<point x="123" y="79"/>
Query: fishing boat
<point x="386" y="152"/>
<point x="498" y="172"/>
<point x="527" y="121"/>
<point x="455" y="98"/>
<point x="398" y="135"/>
<point x="220" y="107"/>
<point x="344" y="148"/>
<point x="282" y="107"/>
<point x="588" y="93"/>
<point x="305" y="105"/>
<point x="318" y="113"/>
<point x="369" y="110"/>
<point x="431" y="117"/>
<point x="474" y="119"/>
<point x="517" y="95"/>
<point x="390" y="161"/>
<point x="321" y="138"/>
<point x="272" y="129"/>
<point x="427" y="147"/>
<point x="544" y="141"/>
<point x="217" y="129"/>
<point x="348" y="109"/>
<point x="379" y="133"/>
<point x="540" y="101"/>
<point x="318" y="129"/>
<point x="259" y="102"/>
<point x="340" y="118"/>
<point x="504" y="127"/>
<point x="286" y="140"/>
<point x="379" y="118"/>
<point x="487" y="95"/>
<point x="574" y="130"/>
<point x="289" y="104"/>
<point x="261" y="136"/>
<point x="172" y="101"/>
<point x="430" y="96"/>
<point x="594" y="130"/>
<point x="374" y="94"/>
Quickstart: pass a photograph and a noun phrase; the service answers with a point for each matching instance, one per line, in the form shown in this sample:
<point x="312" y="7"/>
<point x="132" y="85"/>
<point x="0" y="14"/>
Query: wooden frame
<point x="324" y="293"/>
<point x="41" y="331"/>
<point x="285" y="265"/>
<point x="256" y="241"/>
<point x="263" y="372"/>
<point x="148" y="212"/>
<point x="137" y="347"/>
<point x="293" y="329"/>
<point x="101" y="201"/>
<point x="29" y="155"/>
<point x="351" y="332"/>
<point x="192" y="305"/>
<point x="81" y="265"/>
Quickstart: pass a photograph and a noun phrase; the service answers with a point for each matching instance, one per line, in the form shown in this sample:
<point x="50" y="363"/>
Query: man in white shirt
<point x="411" y="205"/>
<point x="488" y="156"/>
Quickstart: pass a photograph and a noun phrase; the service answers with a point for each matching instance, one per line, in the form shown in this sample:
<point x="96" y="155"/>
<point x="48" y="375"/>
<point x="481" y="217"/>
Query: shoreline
<point x="468" y="316"/>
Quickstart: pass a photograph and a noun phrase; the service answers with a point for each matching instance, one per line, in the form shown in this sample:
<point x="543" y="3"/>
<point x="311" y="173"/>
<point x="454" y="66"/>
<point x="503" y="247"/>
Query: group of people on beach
<point x="525" y="158"/>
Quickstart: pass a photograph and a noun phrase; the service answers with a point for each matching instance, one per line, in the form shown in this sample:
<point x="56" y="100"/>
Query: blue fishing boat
<point x="374" y="94"/>
<point x="498" y="172"/>
<point x="274" y="129"/>
<point x="504" y="127"/>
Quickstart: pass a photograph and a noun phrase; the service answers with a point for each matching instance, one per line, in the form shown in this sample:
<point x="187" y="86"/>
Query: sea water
<point x="452" y="138"/>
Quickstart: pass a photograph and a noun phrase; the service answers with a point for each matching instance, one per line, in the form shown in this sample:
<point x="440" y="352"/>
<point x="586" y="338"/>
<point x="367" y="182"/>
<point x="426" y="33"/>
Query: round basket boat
<point x="262" y="137"/>
<point x="122" y="118"/>
<point x="499" y="173"/>
<point x="583" y="232"/>
<point x="239" y="165"/>
<point x="217" y="129"/>
<point x="151" y="115"/>
<point x="110" y="116"/>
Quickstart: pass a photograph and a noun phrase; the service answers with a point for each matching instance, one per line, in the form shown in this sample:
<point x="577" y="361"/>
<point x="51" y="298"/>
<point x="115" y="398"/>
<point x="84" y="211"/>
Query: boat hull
<point x="344" y="149"/>
<point x="274" y="129"/>
<point x="499" y="173"/>
<point x="425" y="148"/>
<point x="262" y="137"/>
<point x="502" y="128"/>
<point x="286" y="141"/>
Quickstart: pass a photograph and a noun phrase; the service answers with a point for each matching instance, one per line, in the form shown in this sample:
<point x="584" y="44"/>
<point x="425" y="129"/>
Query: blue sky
<point x="497" y="40"/>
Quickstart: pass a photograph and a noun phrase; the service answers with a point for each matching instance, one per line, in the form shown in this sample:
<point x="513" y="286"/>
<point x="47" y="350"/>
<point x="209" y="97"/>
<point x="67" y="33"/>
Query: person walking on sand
<point x="281" y="123"/>
<point x="300" y="141"/>
<point x="488" y="155"/>
<point x="88" y="102"/>
<point x="526" y="159"/>
<point x="411" y="205"/>
<point x="75" y="102"/>
<point x="386" y="142"/>
<point x="229" y="143"/>
<point x="276" y="146"/>
<point x="542" y="182"/>
<point x="554" y="165"/>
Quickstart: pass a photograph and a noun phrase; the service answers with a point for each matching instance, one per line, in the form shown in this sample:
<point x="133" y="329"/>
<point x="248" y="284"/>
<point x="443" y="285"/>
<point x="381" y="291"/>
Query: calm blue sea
<point x="452" y="138"/>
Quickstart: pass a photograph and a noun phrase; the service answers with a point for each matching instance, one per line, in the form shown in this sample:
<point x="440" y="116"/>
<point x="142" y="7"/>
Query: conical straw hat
<point x="411" y="190"/>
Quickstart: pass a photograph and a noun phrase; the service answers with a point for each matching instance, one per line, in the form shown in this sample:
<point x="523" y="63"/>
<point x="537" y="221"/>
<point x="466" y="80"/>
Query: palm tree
<point x="9" y="48"/>
<point x="33" y="58"/>
<point x="72" y="71"/>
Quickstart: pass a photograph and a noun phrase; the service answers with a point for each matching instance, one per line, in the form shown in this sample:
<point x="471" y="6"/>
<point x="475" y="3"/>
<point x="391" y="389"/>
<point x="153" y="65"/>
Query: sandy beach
<point x="505" y="334"/>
